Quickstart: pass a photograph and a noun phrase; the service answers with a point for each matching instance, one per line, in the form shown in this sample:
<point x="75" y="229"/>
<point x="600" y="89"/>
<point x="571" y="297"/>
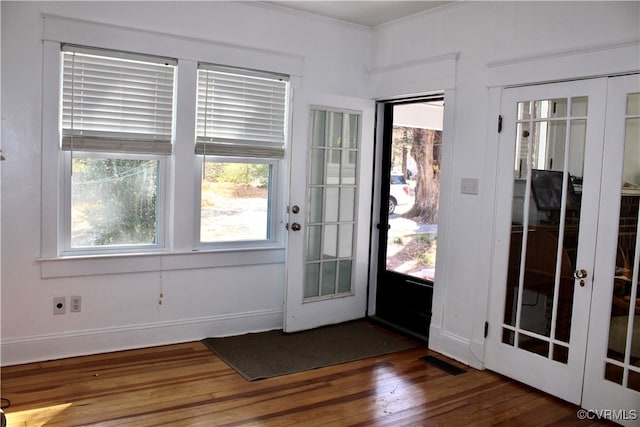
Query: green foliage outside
<point x="238" y="173"/>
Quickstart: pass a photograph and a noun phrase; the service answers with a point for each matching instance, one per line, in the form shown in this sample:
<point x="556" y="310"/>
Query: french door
<point x="550" y="159"/>
<point x="612" y="373"/>
<point x="565" y="316"/>
<point x="328" y="212"/>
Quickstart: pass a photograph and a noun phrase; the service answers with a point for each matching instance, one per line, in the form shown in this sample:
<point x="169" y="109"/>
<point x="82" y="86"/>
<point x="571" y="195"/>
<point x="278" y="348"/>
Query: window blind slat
<point x="240" y="113"/>
<point x="116" y="99"/>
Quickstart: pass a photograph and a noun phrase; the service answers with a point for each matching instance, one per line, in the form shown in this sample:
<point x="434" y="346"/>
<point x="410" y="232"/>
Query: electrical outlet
<point x="75" y="304"/>
<point x="59" y="305"/>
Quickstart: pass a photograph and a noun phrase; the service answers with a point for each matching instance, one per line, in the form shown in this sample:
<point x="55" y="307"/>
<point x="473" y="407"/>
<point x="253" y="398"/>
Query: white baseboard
<point x="463" y="350"/>
<point x="39" y="348"/>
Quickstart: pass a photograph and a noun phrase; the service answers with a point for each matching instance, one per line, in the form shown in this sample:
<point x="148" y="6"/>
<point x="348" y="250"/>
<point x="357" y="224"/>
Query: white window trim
<point x="161" y="205"/>
<point x="179" y="225"/>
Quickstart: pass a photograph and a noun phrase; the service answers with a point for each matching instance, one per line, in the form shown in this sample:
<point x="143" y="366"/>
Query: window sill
<point x="97" y="265"/>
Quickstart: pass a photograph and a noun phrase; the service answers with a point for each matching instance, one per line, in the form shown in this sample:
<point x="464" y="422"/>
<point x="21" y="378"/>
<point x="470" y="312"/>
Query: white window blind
<point x="240" y="113"/>
<point x="119" y="104"/>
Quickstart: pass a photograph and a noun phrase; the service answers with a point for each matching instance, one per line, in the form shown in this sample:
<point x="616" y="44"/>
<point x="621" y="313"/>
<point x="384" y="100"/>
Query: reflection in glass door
<point x="623" y="355"/>
<point x="548" y="171"/>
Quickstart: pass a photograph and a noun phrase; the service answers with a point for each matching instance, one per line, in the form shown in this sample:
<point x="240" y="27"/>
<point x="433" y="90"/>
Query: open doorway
<point x="411" y="161"/>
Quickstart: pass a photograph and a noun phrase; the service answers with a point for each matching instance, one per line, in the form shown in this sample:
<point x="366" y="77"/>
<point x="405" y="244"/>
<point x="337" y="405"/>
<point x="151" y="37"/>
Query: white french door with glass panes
<point x="612" y="372"/>
<point x="328" y="212"/>
<point x="550" y="157"/>
<point x="567" y="244"/>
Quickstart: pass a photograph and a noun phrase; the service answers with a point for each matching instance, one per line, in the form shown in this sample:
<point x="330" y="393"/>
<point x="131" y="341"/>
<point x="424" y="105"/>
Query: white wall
<point x="483" y="39"/>
<point x="204" y="294"/>
<point x="454" y="48"/>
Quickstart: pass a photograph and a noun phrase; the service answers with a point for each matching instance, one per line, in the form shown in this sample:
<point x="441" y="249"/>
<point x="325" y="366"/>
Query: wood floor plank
<point x="187" y="385"/>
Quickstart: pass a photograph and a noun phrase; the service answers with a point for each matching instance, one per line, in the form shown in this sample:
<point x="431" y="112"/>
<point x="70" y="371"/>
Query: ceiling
<point x="366" y="13"/>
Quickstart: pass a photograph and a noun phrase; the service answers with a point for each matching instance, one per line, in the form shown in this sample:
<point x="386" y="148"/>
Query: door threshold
<point x="422" y="339"/>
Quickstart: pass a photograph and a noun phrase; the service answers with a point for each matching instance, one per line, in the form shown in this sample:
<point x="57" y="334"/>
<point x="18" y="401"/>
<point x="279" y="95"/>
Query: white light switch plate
<point x="469" y="186"/>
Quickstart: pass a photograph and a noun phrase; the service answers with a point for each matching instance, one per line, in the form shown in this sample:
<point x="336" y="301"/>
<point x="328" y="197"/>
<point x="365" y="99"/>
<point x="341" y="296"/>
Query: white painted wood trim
<point x="101" y="340"/>
<point x="587" y="62"/>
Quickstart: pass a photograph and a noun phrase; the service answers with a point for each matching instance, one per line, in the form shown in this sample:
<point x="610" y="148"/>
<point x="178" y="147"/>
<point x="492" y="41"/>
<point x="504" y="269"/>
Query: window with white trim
<point x="117" y="125"/>
<point x="240" y="138"/>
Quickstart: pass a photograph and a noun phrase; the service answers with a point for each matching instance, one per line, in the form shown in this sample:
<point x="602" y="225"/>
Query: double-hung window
<point x="117" y="127"/>
<point x="240" y="138"/>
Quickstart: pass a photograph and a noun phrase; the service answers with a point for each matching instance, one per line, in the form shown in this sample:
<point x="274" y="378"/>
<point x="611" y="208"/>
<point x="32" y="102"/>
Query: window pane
<point x="113" y="202"/>
<point x="235" y="201"/>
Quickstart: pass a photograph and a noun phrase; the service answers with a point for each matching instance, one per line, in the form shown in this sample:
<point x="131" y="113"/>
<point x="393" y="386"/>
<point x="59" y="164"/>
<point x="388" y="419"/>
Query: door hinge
<point x="486" y="329"/>
<point x="499" y="123"/>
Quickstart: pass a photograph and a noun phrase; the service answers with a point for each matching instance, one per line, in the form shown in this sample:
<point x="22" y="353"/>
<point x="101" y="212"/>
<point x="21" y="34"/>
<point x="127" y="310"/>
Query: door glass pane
<point x="335" y="129"/>
<point x="316" y="167"/>
<point x="344" y="276"/>
<point x="550" y="108"/>
<point x="329" y="272"/>
<point x="352" y="132"/>
<point x="318" y="127"/>
<point x="579" y="106"/>
<point x="331" y="205"/>
<point x="414" y="191"/>
<point x="314" y="242"/>
<point x="347" y="203"/>
<point x="316" y="204"/>
<point x="312" y="280"/>
<point x="345" y="244"/>
<point x="349" y="160"/>
<point x="549" y="159"/>
<point x="330" y="241"/>
<point x="623" y="354"/>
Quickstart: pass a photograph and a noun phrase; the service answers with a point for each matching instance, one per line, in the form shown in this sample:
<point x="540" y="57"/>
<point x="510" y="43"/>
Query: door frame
<point x="397" y="307"/>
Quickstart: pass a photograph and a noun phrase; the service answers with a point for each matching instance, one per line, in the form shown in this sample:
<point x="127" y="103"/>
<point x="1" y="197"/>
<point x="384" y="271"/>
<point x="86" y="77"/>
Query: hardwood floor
<point x="187" y="385"/>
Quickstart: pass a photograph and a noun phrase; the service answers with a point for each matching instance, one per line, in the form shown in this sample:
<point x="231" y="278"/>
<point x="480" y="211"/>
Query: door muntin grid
<point x="331" y="204"/>
<point x="548" y="169"/>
